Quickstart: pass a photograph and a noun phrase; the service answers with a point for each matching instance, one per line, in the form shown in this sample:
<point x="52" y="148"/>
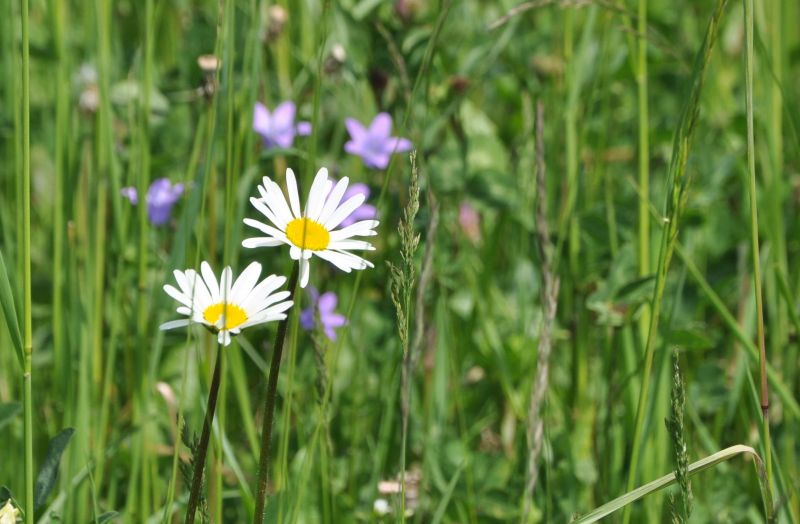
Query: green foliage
<point x="118" y="100"/>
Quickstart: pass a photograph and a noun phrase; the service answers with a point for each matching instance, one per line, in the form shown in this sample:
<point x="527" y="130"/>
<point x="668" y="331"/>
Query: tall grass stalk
<point x="141" y="382"/>
<point x="403" y="277"/>
<point x="676" y="201"/>
<point x="59" y="161"/>
<point x="269" y="406"/>
<point x="27" y="378"/>
<point x="549" y="298"/>
<point x="644" y="158"/>
<point x="754" y="247"/>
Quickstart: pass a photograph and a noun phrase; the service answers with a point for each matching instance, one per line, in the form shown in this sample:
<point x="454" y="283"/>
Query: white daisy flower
<point x="226" y="308"/>
<point x="314" y="230"/>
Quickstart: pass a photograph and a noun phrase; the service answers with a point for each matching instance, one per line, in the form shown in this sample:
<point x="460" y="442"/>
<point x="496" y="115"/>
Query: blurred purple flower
<point x="324" y="305"/>
<point x="161" y="196"/>
<point x="374" y="145"/>
<point x="278" y="128"/>
<point x="470" y="222"/>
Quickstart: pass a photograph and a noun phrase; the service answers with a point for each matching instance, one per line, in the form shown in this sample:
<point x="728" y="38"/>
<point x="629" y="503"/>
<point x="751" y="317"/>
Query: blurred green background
<point x="465" y="95"/>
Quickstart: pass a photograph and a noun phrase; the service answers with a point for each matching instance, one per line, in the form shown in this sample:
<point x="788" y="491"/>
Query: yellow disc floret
<point x="307" y="234"/>
<point x="234" y="315"/>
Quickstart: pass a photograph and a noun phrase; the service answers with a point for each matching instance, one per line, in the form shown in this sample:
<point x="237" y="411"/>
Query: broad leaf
<point x="49" y="472"/>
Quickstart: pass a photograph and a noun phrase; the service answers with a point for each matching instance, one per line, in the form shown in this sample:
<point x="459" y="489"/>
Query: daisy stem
<point x="202" y="448"/>
<point x="269" y="407"/>
<point x="26" y="253"/>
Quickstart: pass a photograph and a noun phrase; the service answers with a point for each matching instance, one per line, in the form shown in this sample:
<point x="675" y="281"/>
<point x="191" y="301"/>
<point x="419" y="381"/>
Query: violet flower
<point x="324" y="305"/>
<point x="161" y="196"/>
<point x="374" y="145"/>
<point x="278" y="128"/>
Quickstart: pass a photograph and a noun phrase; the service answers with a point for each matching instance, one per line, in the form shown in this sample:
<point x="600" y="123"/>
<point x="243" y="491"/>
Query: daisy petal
<point x="261" y="242"/>
<point x="343" y="211"/>
<point x="245" y="283"/>
<point x="304" y="272"/>
<point x="291" y="187"/>
<point x="363" y="228"/>
<point x="210" y="280"/>
<point x="172" y="324"/>
<point x="334" y="199"/>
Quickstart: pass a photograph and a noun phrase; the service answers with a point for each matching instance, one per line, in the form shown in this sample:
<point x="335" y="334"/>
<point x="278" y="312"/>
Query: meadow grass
<point x="516" y="367"/>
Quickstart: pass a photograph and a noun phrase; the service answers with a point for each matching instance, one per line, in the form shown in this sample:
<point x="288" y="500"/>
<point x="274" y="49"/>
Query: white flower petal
<point x="200" y="292"/>
<point x="333" y="200"/>
<point x="317" y="194"/>
<point x="350" y="244"/>
<point x="275" y="200"/>
<point x="304" y="272"/>
<point x="262" y="242"/>
<point x="291" y="186"/>
<point x="267" y="229"/>
<point x="225" y="283"/>
<point x="172" y="324"/>
<point x="364" y="228"/>
<point x="210" y="280"/>
<point x="340" y="261"/>
<point x="272" y="198"/>
<point x="344" y="211"/>
<point x="265" y="210"/>
<point x="245" y="283"/>
<point x="177" y="295"/>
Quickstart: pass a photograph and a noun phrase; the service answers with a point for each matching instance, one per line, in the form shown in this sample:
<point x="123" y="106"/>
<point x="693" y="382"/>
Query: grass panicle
<point x="549" y="300"/>
<point x="681" y="505"/>
<point x="402" y="281"/>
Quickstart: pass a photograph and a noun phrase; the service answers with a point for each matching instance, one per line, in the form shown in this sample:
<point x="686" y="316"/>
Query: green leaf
<point x="8" y="411"/>
<point x="49" y="472"/>
<point x="10" y="311"/>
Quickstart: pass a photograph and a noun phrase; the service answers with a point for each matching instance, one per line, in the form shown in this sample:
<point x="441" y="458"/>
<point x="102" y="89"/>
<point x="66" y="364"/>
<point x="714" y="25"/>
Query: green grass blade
<point x="694" y="468"/>
<point x="10" y="311"/>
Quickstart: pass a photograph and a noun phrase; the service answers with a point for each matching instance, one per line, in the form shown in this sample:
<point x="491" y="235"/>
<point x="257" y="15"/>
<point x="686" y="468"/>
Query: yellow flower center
<point x="307" y="234"/>
<point x="234" y="315"/>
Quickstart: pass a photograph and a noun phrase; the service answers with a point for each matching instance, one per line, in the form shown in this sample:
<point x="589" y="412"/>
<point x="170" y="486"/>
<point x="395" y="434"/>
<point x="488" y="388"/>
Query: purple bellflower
<point x="278" y="128"/>
<point x="324" y="305"/>
<point x="374" y="144"/>
<point x="161" y="196"/>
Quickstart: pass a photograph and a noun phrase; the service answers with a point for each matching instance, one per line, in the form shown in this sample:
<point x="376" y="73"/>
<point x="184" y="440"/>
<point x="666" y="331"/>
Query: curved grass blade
<point x="10" y="311"/>
<point x="694" y="468"/>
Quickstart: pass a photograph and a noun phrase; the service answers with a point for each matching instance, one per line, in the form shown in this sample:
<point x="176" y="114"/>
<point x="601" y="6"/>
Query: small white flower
<point x="227" y="308"/>
<point x="381" y="507"/>
<point x="314" y="230"/>
<point x="8" y="513"/>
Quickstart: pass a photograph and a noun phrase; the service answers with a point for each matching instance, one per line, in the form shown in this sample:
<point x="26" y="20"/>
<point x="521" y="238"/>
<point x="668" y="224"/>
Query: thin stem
<point x="269" y="408"/>
<point x="26" y="272"/>
<point x="644" y="159"/>
<point x="754" y="247"/>
<point x="202" y="448"/>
